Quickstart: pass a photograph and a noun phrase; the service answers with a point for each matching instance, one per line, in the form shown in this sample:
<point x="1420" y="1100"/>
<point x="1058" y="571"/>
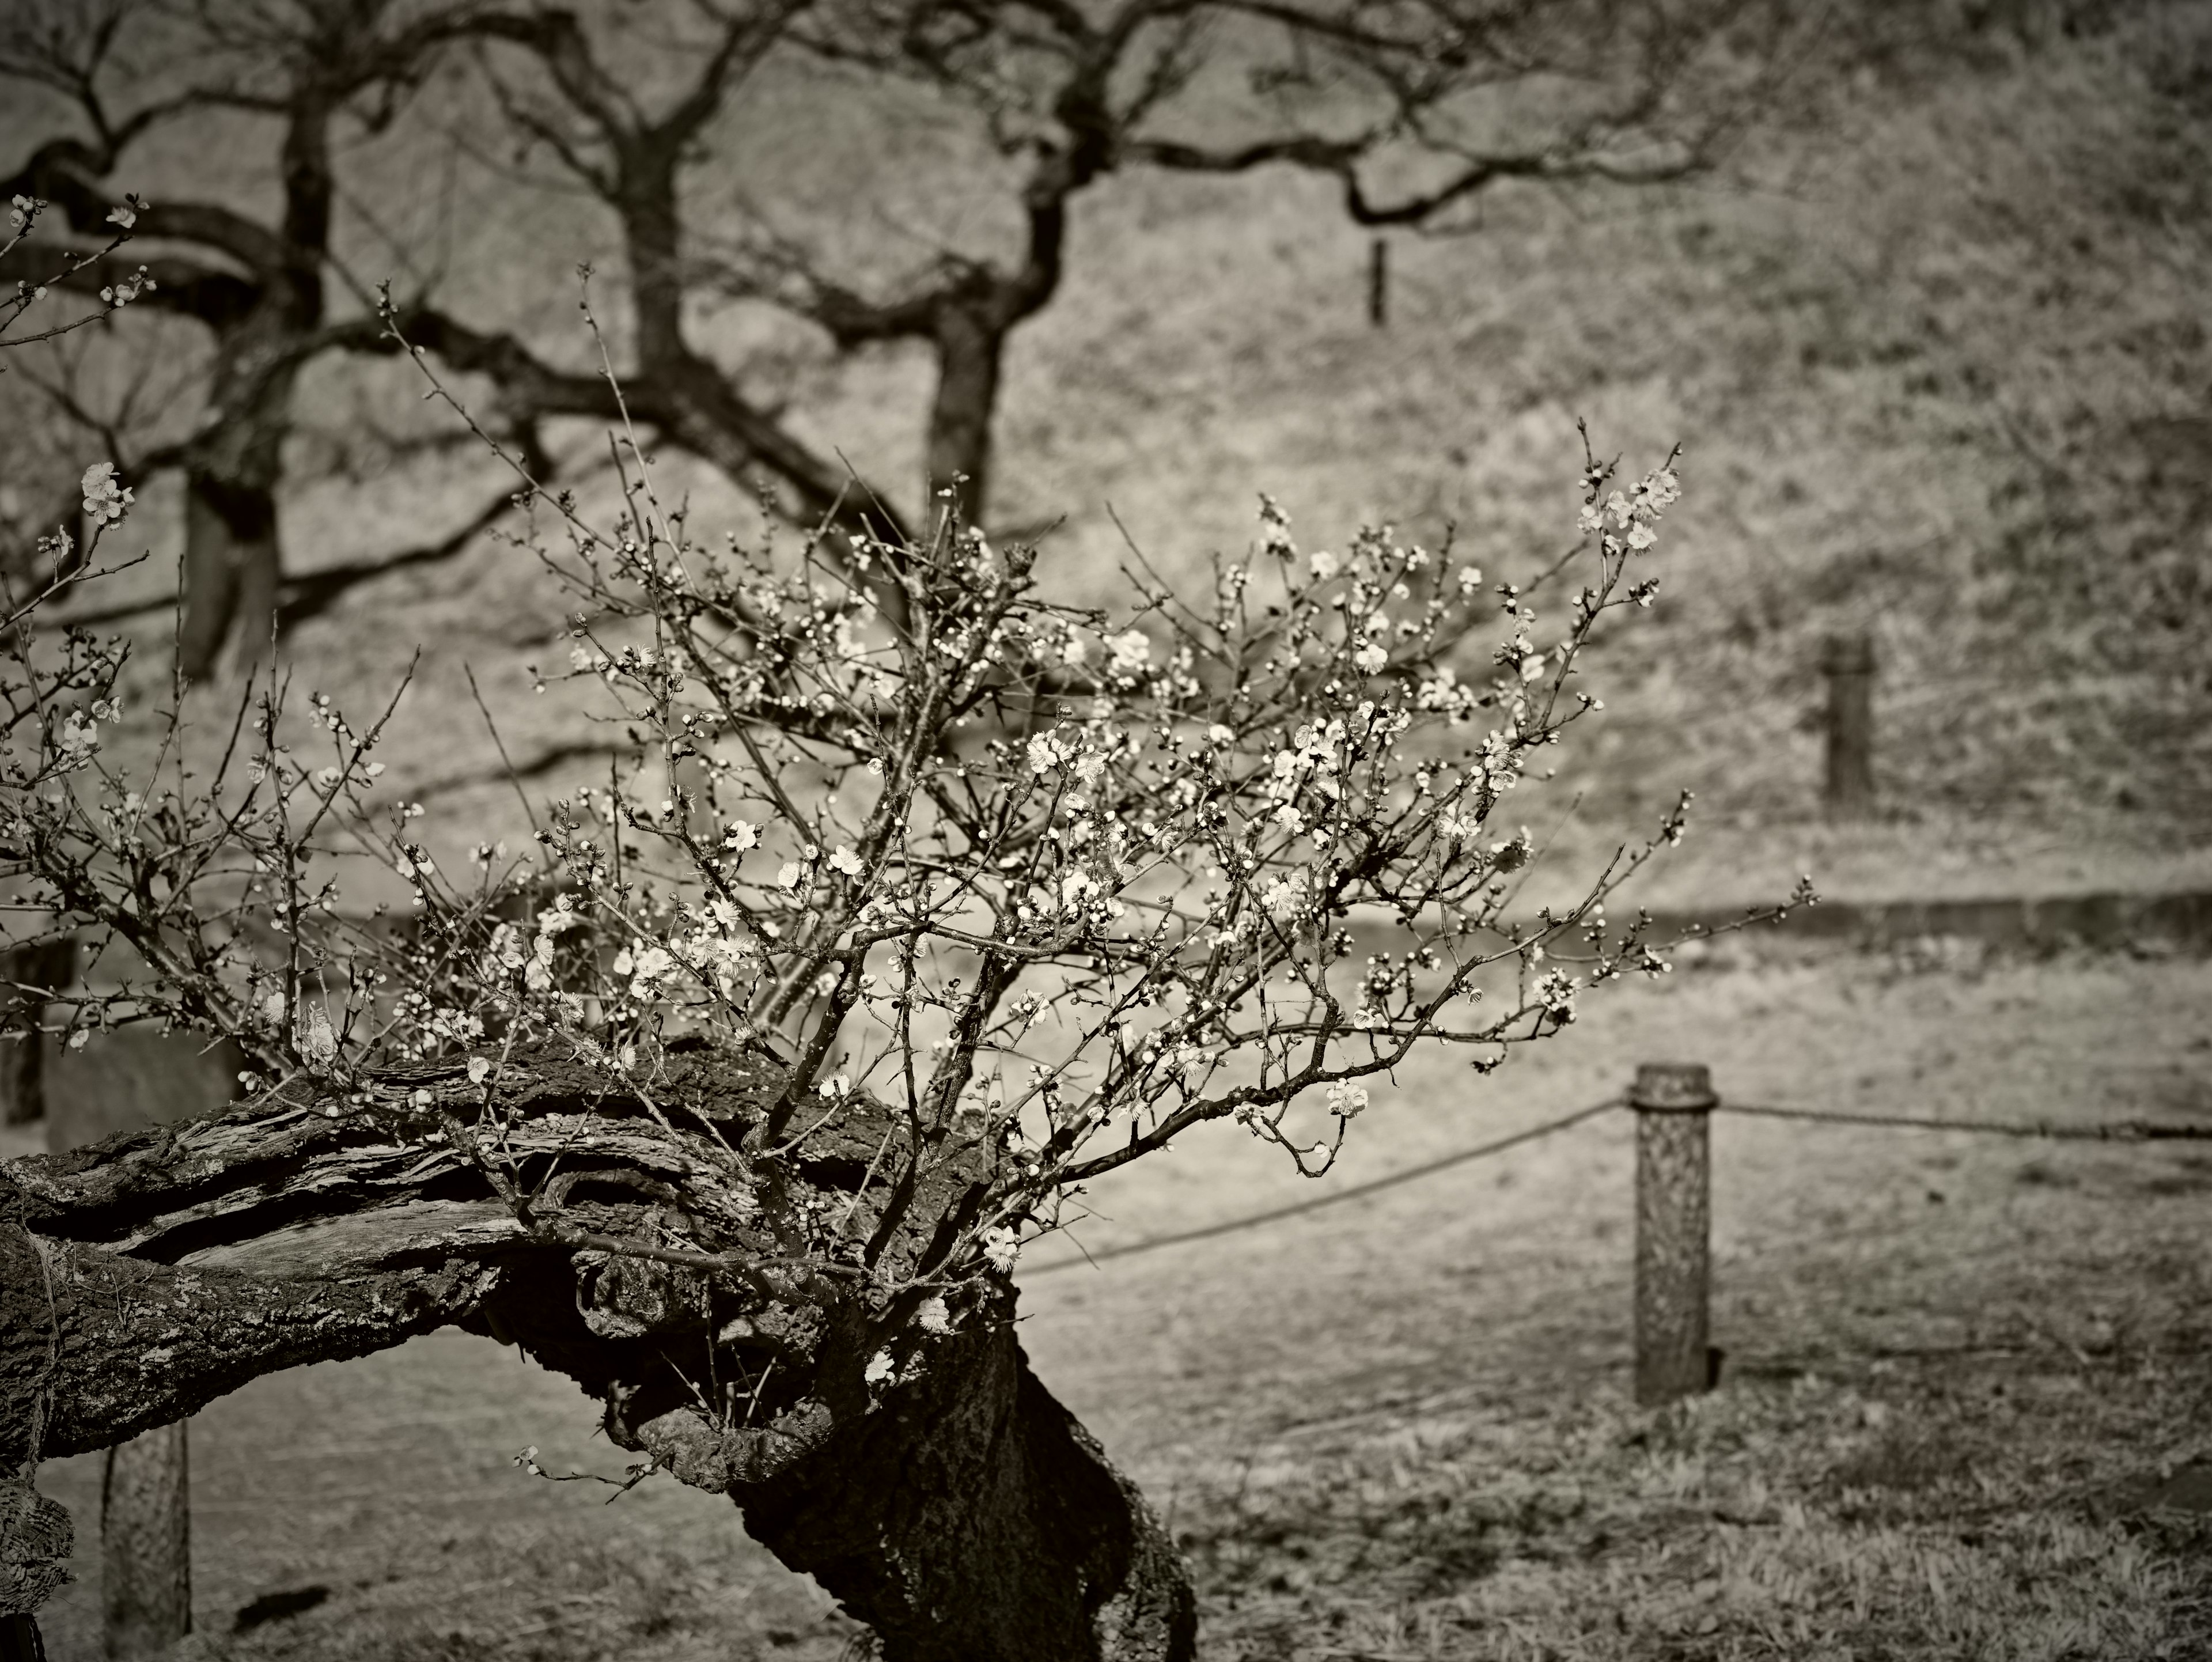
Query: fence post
<point x="145" y="1544"/>
<point x="1673" y="1103"/>
<point x="1378" y="282"/>
<point x="1848" y="662"/>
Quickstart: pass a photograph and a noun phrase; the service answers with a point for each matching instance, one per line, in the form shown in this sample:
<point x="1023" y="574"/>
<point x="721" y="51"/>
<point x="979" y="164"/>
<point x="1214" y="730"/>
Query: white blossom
<point x="105" y="500"/>
<point x="78" y="736"/>
<point x="312" y="1037"/>
<point x="1131" y="651"/>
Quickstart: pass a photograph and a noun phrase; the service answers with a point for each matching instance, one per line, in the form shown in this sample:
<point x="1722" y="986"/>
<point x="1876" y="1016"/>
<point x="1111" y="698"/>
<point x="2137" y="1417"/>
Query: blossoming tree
<point x="739" y="1099"/>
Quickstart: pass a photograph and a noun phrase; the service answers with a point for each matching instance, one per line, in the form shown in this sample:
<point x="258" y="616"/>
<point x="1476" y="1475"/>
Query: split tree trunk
<point x="976" y="1519"/>
<point x="232" y="566"/>
<point x="971" y="344"/>
<point x="234" y="562"/>
<point x="956" y="1507"/>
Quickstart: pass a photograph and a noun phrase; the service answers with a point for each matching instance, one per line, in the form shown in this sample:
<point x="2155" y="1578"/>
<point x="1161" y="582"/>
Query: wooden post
<point x="1378" y="282"/>
<point x="1674" y="1103"/>
<point x="1848" y="662"/>
<point x="145" y="1544"/>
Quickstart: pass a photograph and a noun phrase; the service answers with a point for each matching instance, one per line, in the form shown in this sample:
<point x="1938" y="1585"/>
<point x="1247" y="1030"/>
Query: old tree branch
<point x="917" y="1469"/>
<point x="743" y="1130"/>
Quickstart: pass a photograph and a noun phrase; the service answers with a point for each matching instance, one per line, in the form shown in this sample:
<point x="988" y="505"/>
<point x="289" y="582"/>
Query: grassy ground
<point x="1959" y="1367"/>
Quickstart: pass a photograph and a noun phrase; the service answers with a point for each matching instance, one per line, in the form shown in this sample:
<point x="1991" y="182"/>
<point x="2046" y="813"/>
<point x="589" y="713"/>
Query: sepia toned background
<point x="1920" y="290"/>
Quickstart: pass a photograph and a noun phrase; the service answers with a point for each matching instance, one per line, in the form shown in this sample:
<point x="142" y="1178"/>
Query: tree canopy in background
<point x="863" y="172"/>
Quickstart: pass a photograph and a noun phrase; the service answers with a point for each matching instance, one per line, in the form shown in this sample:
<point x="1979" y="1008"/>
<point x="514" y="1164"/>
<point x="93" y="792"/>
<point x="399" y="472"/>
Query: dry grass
<point x="1400" y="1430"/>
<point x="1908" y="1515"/>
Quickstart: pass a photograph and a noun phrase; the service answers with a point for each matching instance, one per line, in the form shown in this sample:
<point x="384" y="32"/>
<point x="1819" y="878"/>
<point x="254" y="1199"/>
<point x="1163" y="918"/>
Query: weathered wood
<point x="1673" y="1103"/>
<point x="915" y="1467"/>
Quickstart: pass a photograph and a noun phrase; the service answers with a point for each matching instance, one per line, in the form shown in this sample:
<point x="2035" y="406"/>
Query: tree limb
<point x="207" y="293"/>
<point x="917" y="1469"/>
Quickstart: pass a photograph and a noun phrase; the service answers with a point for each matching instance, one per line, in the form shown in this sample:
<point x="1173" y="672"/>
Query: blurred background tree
<point x="1410" y="111"/>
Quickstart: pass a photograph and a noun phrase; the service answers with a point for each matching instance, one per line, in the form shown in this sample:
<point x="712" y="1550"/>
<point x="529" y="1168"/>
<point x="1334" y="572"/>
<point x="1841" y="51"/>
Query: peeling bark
<point x="952" y="1505"/>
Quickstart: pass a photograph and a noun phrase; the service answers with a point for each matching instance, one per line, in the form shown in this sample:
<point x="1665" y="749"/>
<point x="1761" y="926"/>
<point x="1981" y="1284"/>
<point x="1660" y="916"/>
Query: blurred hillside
<point x="1935" y="345"/>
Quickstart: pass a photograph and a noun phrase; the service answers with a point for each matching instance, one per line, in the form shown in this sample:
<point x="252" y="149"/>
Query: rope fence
<point x="1673" y="1103"/>
<point x="1335" y="1197"/>
<point x="2125" y="1130"/>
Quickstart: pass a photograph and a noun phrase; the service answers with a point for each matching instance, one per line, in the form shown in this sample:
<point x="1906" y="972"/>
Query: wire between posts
<point x="2119" y="1131"/>
<point x="2131" y="1130"/>
<point x="1358" y="1191"/>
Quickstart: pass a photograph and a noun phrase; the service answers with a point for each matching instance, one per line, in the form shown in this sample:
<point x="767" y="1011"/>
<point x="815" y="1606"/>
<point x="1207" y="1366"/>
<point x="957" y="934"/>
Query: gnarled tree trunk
<point x="901" y="1454"/>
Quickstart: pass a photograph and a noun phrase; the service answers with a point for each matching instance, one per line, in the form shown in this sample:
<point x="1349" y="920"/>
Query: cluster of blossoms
<point x="137" y="283"/>
<point x="107" y="499"/>
<point x="1060" y="885"/>
<point x="23" y="213"/>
